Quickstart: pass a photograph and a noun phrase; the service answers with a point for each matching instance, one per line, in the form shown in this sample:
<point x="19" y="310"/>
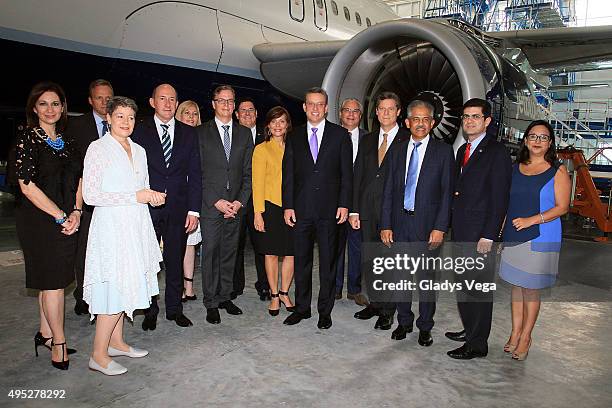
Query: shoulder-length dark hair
<point x="551" y="154"/>
<point x="36" y="92"/>
<point x="275" y="113"/>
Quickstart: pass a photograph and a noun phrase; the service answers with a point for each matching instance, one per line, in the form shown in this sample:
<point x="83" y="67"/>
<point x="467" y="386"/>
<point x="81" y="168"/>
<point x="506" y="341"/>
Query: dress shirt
<point x="99" y="125"/>
<point x="390" y="136"/>
<point x="222" y="131"/>
<point x="254" y="133"/>
<point x="355" y="140"/>
<point x="160" y="131"/>
<point x="475" y="143"/>
<point x="422" y="149"/>
<point x="320" y="129"/>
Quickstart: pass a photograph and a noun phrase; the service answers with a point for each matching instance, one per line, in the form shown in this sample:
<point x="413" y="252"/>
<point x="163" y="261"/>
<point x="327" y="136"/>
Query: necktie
<point x="411" y="178"/>
<point x="227" y="145"/>
<point x="166" y="144"/>
<point x="466" y="156"/>
<point x="104" y="128"/>
<point x="314" y="144"/>
<point x="382" y="150"/>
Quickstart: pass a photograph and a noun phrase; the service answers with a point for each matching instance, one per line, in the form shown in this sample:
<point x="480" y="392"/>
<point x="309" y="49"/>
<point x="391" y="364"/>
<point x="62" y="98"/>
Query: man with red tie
<point x="483" y="173"/>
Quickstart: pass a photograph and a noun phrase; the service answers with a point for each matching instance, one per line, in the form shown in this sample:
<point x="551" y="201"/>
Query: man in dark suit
<point x="416" y="205"/>
<point x="483" y="173"/>
<point x="247" y="117"/>
<point x="226" y="150"/>
<point x="349" y="240"/>
<point x="317" y="183"/>
<point x="83" y="130"/>
<point x="174" y="167"/>
<point x="368" y="182"/>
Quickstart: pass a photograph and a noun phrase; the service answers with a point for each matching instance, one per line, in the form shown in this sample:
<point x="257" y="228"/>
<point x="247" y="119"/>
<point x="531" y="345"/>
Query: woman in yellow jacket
<point x="274" y="238"/>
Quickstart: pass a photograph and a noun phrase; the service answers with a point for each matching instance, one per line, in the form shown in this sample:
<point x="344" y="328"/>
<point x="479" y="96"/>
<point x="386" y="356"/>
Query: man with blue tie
<point x="173" y="161"/>
<point x="83" y="130"/>
<point x="416" y="205"/>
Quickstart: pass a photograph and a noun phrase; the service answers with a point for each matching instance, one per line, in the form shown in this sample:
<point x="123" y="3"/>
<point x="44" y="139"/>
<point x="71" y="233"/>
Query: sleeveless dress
<point x="530" y="258"/>
<point x="49" y="255"/>
<point x="123" y="255"/>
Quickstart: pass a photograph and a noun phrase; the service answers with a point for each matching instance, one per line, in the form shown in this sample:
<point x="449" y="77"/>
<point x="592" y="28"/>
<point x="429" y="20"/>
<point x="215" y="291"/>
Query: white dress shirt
<point x="355" y="141"/>
<point x="160" y="131"/>
<point x="320" y="129"/>
<point x="99" y="126"/>
<point x="390" y="136"/>
<point x="422" y="150"/>
<point x="222" y="131"/>
<point x="254" y="133"/>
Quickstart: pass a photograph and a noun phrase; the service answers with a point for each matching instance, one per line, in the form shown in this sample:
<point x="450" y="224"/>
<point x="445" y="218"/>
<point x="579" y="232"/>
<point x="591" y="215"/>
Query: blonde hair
<point x="183" y="106"/>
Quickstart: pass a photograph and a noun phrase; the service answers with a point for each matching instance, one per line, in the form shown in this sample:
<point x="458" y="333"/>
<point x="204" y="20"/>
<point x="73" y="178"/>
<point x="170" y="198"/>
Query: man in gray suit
<point x="226" y="149"/>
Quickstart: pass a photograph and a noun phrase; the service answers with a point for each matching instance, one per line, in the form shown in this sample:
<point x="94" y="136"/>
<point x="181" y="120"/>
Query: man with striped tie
<point x="173" y="159"/>
<point x="226" y="150"/>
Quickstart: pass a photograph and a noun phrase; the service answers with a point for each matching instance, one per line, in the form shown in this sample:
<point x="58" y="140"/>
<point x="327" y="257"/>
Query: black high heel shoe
<point x="274" y="312"/>
<point x="289" y="308"/>
<point x="60" y="365"/>
<point x="186" y="298"/>
<point x="39" y="340"/>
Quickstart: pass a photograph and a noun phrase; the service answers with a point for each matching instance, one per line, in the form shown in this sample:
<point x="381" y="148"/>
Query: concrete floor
<point x="254" y="360"/>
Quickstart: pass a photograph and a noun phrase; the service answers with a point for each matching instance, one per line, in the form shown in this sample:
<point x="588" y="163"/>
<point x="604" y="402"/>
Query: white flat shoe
<point x="133" y="352"/>
<point x="112" y="369"/>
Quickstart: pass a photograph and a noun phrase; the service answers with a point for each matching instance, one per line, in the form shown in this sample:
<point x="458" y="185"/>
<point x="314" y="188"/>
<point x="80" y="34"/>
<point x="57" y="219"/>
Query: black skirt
<point x="278" y="238"/>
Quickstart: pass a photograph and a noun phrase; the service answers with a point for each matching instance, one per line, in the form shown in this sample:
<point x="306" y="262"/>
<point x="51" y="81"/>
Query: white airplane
<point x="354" y="48"/>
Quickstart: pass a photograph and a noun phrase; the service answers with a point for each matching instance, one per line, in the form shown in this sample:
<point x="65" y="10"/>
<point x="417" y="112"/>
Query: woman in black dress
<point x="274" y="238"/>
<point x="48" y="211"/>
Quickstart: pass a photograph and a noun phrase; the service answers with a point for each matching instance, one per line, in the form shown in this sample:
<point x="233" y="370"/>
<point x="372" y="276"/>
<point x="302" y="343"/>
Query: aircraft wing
<point x="552" y="50"/>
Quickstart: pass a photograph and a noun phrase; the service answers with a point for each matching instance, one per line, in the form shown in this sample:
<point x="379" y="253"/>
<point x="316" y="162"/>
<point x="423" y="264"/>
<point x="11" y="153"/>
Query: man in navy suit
<point x="317" y="183"/>
<point x="483" y="172"/>
<point x="83" y="130"/>
<point x="416" y="204"/>
<point x="173" y="160"/>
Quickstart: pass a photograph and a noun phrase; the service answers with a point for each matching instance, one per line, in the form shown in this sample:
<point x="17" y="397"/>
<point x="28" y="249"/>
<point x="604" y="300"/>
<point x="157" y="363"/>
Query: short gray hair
<point x="120" y="101"/>
<point x="420" y="103"/>
<point x="352" y="100"/>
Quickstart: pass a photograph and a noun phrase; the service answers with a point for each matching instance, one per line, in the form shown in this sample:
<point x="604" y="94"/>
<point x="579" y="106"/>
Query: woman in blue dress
<point x="539" y="195"/>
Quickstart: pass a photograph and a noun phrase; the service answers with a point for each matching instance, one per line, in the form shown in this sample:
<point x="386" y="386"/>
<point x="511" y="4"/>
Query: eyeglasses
<point x="224" y="101"/>
<point x="473" y="117"/>
<point x="349" y="110"/>
<point x="249" y="110"/>
<point x="532" y="137"/>
<point x="419" y="119"/>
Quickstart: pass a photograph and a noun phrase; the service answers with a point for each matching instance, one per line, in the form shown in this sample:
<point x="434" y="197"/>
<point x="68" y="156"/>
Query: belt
<point x="408" y="212"/>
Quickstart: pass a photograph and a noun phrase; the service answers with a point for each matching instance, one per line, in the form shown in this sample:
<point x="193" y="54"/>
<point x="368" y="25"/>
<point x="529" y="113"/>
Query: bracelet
<point x="542" y="218"/>
<point x="77" y="209"/>
<point x="60" y="221"/>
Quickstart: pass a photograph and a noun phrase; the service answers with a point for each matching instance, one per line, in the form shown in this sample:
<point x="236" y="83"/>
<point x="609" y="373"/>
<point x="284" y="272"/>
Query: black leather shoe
<point x="400" y="332"/>
<point x="296" y="317"/>
<point x="325" y="322"/>
<point x="230" y="308"/>
<point x="212" y="316"/>
<point x="456" y="336"/>
<point x="234" y="295"/>
<point x="384" y="322"/>
<point x="338" y="296"/>
<point x="180" y="319"/>
<point x="264" y="295"/>
<point x="149" y="323"/>
<point x="81" y="307"/>
<point x="425" y="338"/>
<point x="366" y="313"/>
<point x="465" y="352"/>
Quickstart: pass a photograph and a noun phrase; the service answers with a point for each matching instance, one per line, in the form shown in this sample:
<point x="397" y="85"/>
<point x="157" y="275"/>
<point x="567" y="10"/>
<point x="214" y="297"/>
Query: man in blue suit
<point x="173" y="160"/>
<point x="416" y="203"/>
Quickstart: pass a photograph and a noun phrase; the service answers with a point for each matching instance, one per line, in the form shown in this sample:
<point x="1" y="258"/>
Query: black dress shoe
<point x="264" y="295"/>
<point x="384" y="322"/>
<point x="230" y="308"/>
<point x="81" y="307"/>
<point x="296" y="317"/>
<point x="149" y="323"/>
<point x="367" y="313"/>
<point x="180" y="319"/>
<point x="465" y="352"/>
<point x="456" y="336"/>
<point x="400" y="332"/>
<point x="234" y="295"/>
<point x="188" y="298"/>
<point x="325" y="322"/>
<point x="338" y="296"/>
<point x="212" y="316"/>
<point x="425" y="338"/>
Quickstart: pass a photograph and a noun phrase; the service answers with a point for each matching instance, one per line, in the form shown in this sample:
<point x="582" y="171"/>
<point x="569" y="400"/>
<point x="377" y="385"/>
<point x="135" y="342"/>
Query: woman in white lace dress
<point x="123" y="255"/>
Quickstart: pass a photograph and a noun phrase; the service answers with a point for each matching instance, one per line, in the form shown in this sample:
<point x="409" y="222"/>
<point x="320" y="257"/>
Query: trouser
<point x="349" y="240"/>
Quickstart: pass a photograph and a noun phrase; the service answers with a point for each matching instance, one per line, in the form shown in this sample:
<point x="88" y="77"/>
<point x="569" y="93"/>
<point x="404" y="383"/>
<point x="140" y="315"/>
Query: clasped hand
<point x="228" y="209"/>
<point x="152" y="197"/>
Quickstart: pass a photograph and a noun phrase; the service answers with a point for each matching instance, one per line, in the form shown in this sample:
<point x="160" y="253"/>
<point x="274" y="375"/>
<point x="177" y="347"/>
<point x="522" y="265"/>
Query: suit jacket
<point x="369" y="178"/>
<point x="220" y="179"/>
<point x="433" y="192"/>
<point x="82" y="130"/>
<point x="481" y="192"/>
<point x="316" y="190"/>
<point x="181" y="180"/>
